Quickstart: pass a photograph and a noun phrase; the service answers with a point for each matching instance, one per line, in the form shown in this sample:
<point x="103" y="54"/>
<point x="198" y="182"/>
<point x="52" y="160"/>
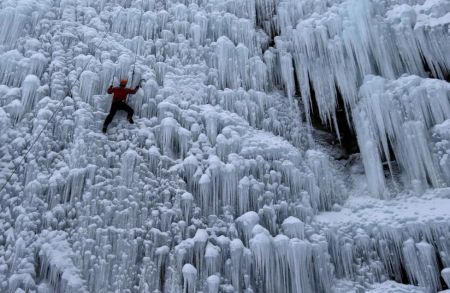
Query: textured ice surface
<point x="223" y="184"/>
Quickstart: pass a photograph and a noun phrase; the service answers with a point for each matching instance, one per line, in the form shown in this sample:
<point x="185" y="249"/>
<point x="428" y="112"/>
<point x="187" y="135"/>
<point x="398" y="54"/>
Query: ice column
<point x="190" y="278"/>
<point x="89" y="86"/>
<point x="243" y="195"/>
<point x="245" y="224"/>
<point x="30" y="86"/>
<point x="329" y="189"/>
<point x="293" y="228"/>
<point x="213" y="284"/>
<point x="212" y="259"/>
<point x="129" y="162"/>
<point x="263" y="255"/>
<point x="300" y="262"/>
<point x="370" y="155"/>
<point x="186" y="205"/>
<point x="421" y="265"/>
<point x="236" y="255"/>
<point x="227" y="64"/>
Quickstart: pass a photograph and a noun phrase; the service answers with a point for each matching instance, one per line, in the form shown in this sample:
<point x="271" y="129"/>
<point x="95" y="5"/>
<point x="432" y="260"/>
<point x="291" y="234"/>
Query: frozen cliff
<point x="278" y="146"/>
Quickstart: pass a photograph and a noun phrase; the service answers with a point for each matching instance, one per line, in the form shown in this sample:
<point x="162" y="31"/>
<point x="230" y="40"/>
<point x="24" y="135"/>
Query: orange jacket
<point x="121" y="93"/>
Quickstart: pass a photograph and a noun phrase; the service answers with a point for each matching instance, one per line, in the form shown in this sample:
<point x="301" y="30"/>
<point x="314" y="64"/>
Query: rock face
<point x="223" y="184"/>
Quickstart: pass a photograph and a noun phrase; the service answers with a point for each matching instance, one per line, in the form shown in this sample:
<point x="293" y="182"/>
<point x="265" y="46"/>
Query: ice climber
<point x="119" y="102"/>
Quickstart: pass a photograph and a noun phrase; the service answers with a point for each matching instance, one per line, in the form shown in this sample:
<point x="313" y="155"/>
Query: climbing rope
<point x="58" y="108"/>
<point x="51" y="118"/>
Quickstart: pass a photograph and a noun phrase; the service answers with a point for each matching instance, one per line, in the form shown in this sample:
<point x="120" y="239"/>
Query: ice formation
<point x="224" y="183"/>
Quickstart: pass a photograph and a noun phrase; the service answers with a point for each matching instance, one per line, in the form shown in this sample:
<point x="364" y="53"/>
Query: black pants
<point x="116" y="106"/>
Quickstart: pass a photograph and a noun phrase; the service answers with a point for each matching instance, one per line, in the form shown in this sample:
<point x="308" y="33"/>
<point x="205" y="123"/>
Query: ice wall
<point x="337" y="45"/>
<point x="217" y="185"/>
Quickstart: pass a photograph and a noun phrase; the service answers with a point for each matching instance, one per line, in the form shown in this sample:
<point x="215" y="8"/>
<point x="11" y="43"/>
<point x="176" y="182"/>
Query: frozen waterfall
<point x="233" y="177"/>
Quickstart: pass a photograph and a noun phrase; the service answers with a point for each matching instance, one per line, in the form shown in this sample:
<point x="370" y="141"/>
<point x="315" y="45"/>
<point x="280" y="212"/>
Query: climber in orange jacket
<point x="119" y="102"/>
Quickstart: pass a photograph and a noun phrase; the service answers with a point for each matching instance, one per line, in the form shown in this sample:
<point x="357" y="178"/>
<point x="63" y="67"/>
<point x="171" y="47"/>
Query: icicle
<point x="37" y="64"/>
<point x="281" y="277"/>
<point x="257" y="75"/>
<point x="186" y="205"/>
<point x="74" y="187"/>
<point x="323" y="278"/>
<point x="370" y="155"/>
<point x="213" y="284"/>
<point x="15" y="110"/>
<point x="415" y="145"/>
<point x="329" y="190"/>
<point x="10" y="63"/>
<point x="229" y="185"/>
<point x="227" y="64"/>
<point x="56" y="261"/>
<point x="205" y="195"/>
<point x="200" y="242"/>
<point x="269" y="219"/>
<point x="236" y="253"/>
<point x="215" y="173"/>
<point x="243" y="195"/>
<point x="12" y="23"/>
<point x="29" y="92"/>
<point x="190" y="278"/>
<point x="154" y="156"/>
<point x="89" y="86"/>
<point x="300" y="262"/>
<point x="421" y="265"/>
<point x="124" y="64"/>
<point x="106" y="75"/>
<point x="160" y="69"/>
<point x="167" y="136"/>
<point x="211" y="121"/>
<point x="227" y="142"/>
<point x="212" y="259"/>
<point x="195" y="131"/>
<point x="287" y="75"/>
<point x="441" y="141"/>
<point x="190" y="165"/>
<point x="184" y="138"/>
<point x="293" y="228"/>
<point x="245" y="225"/>
<point x="129" y="163"/>
<point x="263" y="253"/>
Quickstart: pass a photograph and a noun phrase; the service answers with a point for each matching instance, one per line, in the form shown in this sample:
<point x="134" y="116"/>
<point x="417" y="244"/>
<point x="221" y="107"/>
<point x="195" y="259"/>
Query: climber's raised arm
<point x="110" y="90"/>
<point x="133" y="91"/>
